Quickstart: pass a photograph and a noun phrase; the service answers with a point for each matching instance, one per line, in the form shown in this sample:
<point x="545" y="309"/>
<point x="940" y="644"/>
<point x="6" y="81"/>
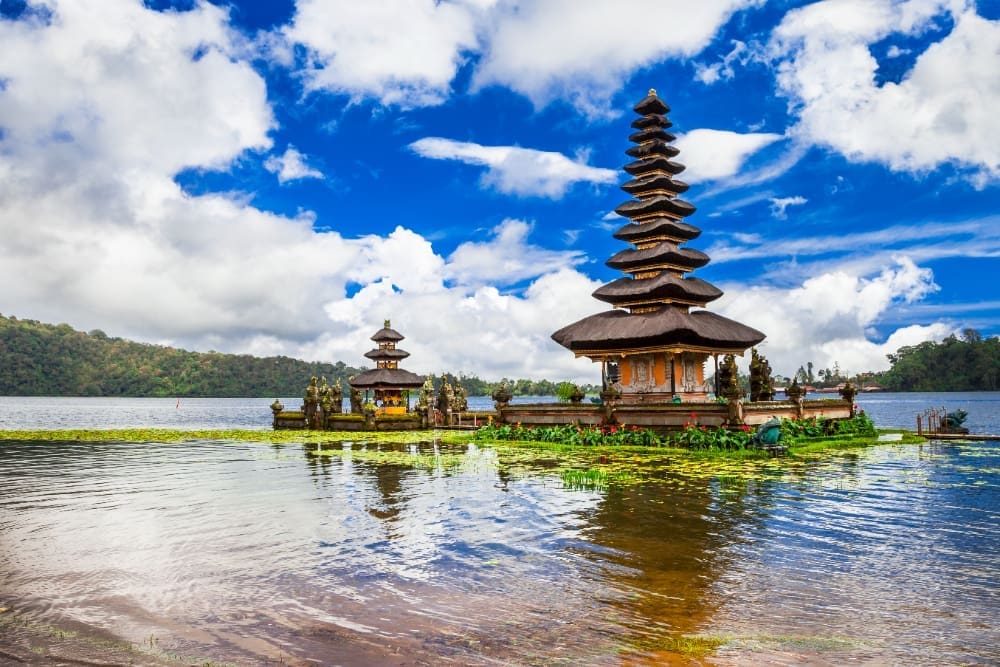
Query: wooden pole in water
<point x="920" y="430"/>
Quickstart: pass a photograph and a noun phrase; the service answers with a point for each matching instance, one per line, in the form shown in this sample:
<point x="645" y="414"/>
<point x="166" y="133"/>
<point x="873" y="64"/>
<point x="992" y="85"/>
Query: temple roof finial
<point x="652" y="92"/>
<point x="387" y="325"/>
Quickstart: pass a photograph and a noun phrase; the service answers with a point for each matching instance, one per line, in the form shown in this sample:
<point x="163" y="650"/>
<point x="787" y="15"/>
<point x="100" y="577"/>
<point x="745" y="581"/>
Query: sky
<point x="281" y="176"/>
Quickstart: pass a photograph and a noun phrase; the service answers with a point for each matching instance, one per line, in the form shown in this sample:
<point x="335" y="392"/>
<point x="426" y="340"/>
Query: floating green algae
<point x="584" y="468"/>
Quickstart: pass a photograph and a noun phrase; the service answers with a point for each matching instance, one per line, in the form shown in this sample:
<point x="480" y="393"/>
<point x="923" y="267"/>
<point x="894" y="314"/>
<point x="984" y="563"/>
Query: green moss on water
<point x="234" y="435"/>
<point x="579" y="468"/>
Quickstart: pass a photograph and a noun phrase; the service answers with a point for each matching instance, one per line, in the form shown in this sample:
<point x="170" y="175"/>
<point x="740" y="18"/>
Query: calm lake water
<point x="468" y="555"/>
<point x="889" y="410"/>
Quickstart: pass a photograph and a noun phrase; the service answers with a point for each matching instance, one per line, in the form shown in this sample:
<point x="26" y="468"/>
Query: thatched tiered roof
<point x="653" y="301"/>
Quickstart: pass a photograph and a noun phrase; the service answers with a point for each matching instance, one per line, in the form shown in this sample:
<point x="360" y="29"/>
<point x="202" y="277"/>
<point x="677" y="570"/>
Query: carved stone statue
<point x="311" y="402"/>
<point x="502" y="396"/>
<point x="446" y="395"/>
<point x="276" y="409"/>
<point x="461" y="401"/>
<point x="355" y="399"/>
<point x="426" y="397"/>
<point x="953" y="421"/>
<point x="729" y="379"/>
<point x="768" y="433"/>
<point x="794" y="392"/>
<point x="324" y="408"/>
<point x="761" y="387"/>
<point x="336" y="398"/>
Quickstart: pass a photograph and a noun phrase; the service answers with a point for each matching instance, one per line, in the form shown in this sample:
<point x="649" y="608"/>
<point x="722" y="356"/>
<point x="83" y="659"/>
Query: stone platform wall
<point x="666" y="417"/>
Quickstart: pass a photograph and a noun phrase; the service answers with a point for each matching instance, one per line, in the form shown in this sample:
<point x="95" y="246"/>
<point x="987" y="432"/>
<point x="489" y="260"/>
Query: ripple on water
<point x="244" y="550"/>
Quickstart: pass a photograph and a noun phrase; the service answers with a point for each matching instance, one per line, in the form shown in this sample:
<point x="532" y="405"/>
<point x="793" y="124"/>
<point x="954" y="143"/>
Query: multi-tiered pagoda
<point x="652" y="345"/>
<point x="390" y="383"/>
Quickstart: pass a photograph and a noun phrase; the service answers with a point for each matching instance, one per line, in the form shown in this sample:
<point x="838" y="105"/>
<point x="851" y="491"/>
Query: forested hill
<point x="55" y="360"/>
<point x="969" y="363"/>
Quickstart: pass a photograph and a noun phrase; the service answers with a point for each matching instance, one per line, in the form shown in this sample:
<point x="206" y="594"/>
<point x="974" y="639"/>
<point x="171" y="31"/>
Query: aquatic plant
<point x="699" y="436"/>
<point x="814" y="427"/>
<point x="614" y="435"/>
<point x="232" y="435"/>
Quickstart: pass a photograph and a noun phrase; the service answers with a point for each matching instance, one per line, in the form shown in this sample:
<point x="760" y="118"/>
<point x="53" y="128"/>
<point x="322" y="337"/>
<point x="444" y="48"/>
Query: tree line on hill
<point x="38" y="359"/>
<point x="967" y="363"/>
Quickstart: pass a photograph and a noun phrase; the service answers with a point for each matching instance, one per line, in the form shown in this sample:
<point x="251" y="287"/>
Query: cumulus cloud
<point x="290" y="166"/>
<point x="516" y="170"/>
<point x="408" y="52"/>
<point x="104" y="105"/>
<point x="507" y="258"/>
<point x="829" y="318"/>
<point x="715" y="154"/>
<point x="95" y="232"/>
<point x="405" y="52"/>
<point x="940" y="112"/>
<point x="582" y="51"/>
<point x="116" y="84"/>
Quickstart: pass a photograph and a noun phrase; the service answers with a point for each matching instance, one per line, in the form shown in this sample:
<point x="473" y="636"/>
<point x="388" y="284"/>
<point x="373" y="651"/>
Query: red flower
<point x="694" y="415"/>
<point x="746" y="429"/>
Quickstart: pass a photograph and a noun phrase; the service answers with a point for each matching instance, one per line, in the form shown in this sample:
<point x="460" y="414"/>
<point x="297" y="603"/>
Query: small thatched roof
<point x="387" y="378"/>
<point x="395" y="354"/>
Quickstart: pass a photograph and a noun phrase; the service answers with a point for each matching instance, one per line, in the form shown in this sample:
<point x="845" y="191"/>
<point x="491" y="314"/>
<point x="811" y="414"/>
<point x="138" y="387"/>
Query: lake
<point x="888" y="410"/>
<point x="473" y="555"/>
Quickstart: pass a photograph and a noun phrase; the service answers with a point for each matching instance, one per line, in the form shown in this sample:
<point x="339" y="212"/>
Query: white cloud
<point x="516" y="170"/>
<point x="404" y="52"/>
<point x="863" y="252"/>
<point x="779" y="205"/>
<point x="940" y="112"/>
<point x="291" y="166"/>
<point x="829" y="317"/>
<point x="116" y="84"/>
<point x="723" y="70"/>
<point x="95" y="232"/>
<point x="507" y="258"/>
<point x="477" y="330"/>
<point x="582" y="51"/>
<point x="715" y="154"/>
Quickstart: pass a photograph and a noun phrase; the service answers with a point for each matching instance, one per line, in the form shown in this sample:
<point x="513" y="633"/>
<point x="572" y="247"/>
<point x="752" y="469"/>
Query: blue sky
<point x="279" y="177"/>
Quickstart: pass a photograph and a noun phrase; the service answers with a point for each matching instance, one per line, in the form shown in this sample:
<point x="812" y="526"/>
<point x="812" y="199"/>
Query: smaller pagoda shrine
<point x="387" y="385"/>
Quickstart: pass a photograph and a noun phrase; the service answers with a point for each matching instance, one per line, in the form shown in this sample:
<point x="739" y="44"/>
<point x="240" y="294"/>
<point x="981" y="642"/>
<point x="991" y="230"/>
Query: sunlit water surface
<point x="425" y="555"/>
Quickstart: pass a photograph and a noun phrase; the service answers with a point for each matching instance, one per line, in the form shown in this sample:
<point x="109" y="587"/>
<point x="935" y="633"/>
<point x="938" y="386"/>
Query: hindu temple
<point x="654" y="342"/>
<point x="388" y="384"/>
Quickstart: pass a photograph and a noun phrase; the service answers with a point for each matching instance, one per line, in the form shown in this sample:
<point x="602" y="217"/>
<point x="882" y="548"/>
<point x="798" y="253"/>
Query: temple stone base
<point x="665" y="417"/>
<point x="351" y="422"/>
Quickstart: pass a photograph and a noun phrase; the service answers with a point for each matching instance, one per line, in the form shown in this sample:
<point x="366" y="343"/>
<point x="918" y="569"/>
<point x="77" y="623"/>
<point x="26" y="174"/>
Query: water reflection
<point x="385" y="554"/>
